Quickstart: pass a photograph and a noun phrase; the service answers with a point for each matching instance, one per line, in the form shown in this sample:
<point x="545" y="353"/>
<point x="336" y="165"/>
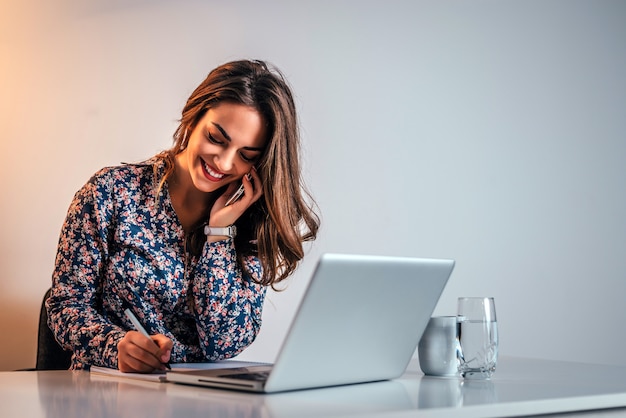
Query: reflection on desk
<point x="520" y="386"/>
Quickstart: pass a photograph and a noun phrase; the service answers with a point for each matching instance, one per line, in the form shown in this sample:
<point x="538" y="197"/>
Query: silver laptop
<point x="360" y="320"/>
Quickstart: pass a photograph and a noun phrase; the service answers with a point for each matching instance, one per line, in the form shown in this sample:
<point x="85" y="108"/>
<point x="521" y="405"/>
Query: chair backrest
<point x="50" y="355"/>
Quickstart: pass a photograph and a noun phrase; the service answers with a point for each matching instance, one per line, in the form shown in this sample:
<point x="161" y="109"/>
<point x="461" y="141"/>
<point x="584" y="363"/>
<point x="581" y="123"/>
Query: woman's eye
<point x="212" y="139"/>
<point x="248" y="159"/>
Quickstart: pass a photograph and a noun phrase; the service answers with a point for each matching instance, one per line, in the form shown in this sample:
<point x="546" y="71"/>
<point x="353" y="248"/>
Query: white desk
<point x="519" y="387"/>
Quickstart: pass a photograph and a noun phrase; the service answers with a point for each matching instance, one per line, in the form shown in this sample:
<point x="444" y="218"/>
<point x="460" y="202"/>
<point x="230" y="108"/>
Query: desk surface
<point x="519" y="387"/>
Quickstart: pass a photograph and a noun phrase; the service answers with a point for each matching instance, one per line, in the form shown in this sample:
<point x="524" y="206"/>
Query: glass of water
<point x="478" y="337"/>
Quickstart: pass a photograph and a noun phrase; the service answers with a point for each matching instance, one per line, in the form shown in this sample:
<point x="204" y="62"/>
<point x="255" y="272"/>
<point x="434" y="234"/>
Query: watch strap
<point x="227" y="231"/>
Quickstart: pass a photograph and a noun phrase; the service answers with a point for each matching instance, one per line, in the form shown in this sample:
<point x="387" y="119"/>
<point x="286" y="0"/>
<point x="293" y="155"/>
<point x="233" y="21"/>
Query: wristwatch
<point x="227" y="231"/>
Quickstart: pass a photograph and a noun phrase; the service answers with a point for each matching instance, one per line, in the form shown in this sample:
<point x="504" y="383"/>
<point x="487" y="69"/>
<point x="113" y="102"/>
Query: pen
<point x="140" y="328"/>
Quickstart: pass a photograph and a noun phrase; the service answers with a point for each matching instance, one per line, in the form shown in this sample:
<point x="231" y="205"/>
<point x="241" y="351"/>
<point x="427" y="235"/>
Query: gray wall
<point x="491" y="132"/>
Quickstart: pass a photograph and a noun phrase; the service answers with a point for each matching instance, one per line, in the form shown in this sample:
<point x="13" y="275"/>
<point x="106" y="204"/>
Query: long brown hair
<point x="274" y="227"/>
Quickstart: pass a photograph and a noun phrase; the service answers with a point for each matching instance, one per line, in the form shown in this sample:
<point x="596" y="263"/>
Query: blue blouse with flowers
<point x="122" y="246"/>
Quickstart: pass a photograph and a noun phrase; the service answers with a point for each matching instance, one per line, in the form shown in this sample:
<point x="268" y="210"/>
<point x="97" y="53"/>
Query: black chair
<point x="50" y="355"/>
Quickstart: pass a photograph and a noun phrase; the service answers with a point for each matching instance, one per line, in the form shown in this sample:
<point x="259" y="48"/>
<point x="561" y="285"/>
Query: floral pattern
<point x="122" y="246"/>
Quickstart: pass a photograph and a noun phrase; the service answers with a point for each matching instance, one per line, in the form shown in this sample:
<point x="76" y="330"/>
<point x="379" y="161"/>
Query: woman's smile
<point x="211" y="173"/>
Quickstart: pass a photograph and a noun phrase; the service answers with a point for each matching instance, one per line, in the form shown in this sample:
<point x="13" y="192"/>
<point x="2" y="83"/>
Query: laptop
<point x="360" y="320"/>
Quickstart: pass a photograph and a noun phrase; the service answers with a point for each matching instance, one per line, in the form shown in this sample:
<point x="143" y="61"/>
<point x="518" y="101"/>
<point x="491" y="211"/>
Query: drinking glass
<point x="478" y="337"/>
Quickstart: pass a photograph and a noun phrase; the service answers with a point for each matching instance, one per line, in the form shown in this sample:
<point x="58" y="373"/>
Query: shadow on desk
<point x="358" y="399"/>
<point x="89" y="395"/>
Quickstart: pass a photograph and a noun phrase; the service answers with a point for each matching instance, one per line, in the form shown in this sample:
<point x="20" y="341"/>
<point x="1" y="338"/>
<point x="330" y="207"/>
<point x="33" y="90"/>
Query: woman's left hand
<point x="222" y="215"/>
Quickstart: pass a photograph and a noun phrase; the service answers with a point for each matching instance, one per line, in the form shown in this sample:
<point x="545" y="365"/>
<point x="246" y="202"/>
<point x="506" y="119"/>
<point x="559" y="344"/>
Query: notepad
<point x="160" y="376"/>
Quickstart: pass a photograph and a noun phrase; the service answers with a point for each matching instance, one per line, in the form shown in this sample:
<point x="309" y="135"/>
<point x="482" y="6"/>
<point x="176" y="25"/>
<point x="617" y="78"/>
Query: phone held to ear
<point x="235" y="196"/>
<point x="238" y="193"/>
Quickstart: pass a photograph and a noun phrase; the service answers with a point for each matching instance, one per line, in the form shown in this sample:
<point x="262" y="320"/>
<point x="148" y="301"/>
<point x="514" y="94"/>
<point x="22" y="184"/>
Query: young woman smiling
<point x="158" y="237"/>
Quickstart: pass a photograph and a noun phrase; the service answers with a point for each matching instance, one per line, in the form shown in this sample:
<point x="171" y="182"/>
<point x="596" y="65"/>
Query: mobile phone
<point x="238" y="193"/>
<point x="235" y="196"/>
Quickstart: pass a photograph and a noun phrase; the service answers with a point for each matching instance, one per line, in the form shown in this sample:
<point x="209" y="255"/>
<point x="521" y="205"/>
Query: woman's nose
<point x="225" y="161"/>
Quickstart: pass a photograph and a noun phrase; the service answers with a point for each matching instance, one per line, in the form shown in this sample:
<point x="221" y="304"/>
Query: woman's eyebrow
<point x="227" y="137"/>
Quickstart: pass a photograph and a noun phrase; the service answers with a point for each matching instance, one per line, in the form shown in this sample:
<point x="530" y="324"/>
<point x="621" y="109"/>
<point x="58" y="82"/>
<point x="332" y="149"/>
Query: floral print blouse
<point x="122" y="246"/>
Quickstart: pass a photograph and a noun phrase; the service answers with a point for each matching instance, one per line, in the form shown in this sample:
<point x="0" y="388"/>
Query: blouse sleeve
<point x="228" y="301"/>
<point x="73" y="307"/>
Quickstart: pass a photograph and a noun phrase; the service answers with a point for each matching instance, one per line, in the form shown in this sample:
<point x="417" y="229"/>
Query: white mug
<point x="438" y="347"/>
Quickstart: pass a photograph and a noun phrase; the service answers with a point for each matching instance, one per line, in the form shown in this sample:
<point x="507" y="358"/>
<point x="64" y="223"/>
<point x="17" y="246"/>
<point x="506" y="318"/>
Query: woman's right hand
<point x="140" y="354"/>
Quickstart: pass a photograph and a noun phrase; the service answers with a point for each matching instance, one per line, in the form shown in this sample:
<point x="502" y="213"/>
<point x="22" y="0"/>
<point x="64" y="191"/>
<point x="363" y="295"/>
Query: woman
<point x="162" y="239"/>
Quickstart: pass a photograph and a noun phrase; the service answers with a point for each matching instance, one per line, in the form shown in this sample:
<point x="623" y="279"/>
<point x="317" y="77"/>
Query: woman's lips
<point x="211" y="173"/>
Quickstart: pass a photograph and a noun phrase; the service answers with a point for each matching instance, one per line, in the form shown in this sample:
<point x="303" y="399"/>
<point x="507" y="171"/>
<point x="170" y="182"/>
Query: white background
<point x="491" y="132"/>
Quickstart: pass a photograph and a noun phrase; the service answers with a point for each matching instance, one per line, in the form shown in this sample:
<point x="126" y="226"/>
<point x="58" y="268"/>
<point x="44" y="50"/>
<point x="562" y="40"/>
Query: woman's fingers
<point x="222" y="215"/>
<point x="138" y="353"/>
<point x="255" y="181"/>
<point x="165" y="347"/>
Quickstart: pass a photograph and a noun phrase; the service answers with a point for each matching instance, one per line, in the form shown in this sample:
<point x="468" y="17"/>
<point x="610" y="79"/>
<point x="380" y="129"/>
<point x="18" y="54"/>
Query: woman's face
<point x="224" y="145"/>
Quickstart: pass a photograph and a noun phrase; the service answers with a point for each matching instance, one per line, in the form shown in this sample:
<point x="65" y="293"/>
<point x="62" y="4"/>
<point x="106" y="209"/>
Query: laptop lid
<point x="360" y="320"/>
